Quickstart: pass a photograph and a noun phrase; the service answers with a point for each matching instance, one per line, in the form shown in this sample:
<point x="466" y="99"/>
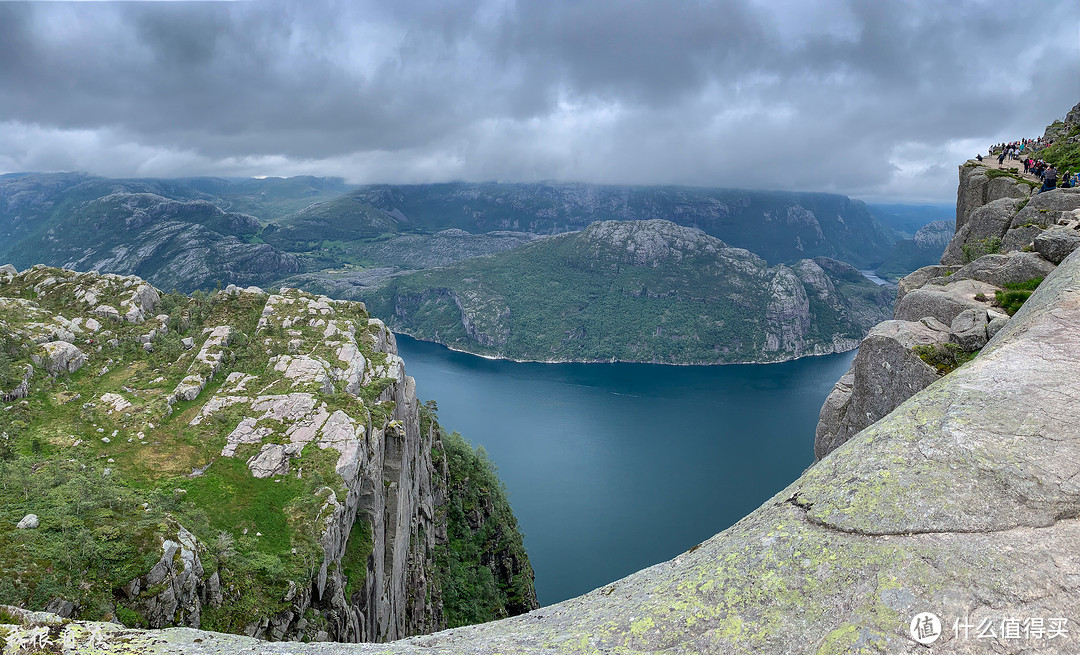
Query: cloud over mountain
<point x="880" y="99"/>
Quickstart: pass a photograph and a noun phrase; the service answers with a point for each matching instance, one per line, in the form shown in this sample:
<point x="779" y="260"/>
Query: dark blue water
<point x="614" y="467"/>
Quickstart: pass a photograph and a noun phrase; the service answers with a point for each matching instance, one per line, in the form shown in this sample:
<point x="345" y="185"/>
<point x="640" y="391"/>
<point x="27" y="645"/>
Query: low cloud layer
<point x="875" y="99"/>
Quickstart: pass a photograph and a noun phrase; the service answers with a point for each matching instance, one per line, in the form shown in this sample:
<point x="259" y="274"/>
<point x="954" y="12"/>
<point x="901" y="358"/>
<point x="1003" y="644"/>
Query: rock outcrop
<point x="884" y="373"/>
<point x="1008" y="240"/>
<point x="978" y="188"/>
<point x="277" y="480"/>
<point x="1056" y="243"/>
<point x="997" y="212"/>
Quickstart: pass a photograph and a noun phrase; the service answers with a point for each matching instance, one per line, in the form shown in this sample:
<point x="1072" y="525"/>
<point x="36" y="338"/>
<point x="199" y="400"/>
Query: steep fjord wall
<point x="259" y="464"/>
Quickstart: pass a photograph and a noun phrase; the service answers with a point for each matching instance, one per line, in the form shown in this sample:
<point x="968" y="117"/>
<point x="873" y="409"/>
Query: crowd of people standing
<point x="1015" y="149"/>
<point x="1026" y="149"/>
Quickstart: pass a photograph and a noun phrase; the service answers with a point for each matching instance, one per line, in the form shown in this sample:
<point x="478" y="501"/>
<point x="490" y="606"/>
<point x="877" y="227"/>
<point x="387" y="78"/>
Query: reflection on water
<point x="615" y="467"/>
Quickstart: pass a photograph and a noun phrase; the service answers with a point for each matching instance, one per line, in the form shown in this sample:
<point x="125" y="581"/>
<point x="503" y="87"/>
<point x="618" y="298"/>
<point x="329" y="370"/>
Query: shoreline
<point x="618" y="361"/>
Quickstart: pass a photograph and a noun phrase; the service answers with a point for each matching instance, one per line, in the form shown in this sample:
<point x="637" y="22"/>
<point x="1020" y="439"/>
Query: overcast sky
<point x="872" y="98"/>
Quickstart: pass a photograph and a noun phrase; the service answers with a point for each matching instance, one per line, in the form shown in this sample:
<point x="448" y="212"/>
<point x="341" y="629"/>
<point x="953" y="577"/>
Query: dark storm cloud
<point x="877" y="98"/>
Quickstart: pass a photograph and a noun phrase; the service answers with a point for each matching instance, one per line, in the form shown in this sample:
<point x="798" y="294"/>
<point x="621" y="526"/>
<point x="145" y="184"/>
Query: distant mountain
<point x="906" y="220"/>
<point x="649" y="291"/>
<point x="326" y="229"/>
<point x="924" y="249"/>
<point x="268" y="198"/>
<point x="126" y="227"/>
<point x="183" y="234"/>
<point x="779" y="226"/>
<point x="379" y="259"/>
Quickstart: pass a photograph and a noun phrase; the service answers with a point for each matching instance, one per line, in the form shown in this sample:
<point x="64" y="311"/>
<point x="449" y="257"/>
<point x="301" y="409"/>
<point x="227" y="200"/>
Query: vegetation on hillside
<point x="577" y="299"/>
<point x="109" y="486"/>
<point x="1013" y="296"/>
<point x="945" y="357"/>
<point x="1062" y="154"/>
<point x="482" y="536"/>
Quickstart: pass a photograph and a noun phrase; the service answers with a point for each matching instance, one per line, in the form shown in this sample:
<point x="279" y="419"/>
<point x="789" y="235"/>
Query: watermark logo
<point x="925" y="628"/>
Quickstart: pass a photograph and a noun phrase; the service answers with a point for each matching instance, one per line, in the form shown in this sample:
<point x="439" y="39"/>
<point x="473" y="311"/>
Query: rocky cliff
<point x="962" y="502"/>
<point x="1007" y="240"/>
<point x="240" y="461"/>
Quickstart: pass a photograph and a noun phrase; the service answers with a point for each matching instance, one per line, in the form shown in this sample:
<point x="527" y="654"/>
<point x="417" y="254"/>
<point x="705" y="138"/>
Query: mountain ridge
<point x="646" y="291"/>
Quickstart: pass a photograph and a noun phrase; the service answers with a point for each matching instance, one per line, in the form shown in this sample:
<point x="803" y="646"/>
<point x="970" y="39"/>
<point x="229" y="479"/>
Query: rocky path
<point x="991" y="161"/>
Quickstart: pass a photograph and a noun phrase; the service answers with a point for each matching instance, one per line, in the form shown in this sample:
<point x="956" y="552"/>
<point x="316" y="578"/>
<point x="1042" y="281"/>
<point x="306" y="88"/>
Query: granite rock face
<point x="884" y="373"/>
<point x="982" y="226"/>
<point x="956" y="298"/>
<point x="944" y="302"/>
<point x="1049" y="208"/>
<point x="978" y="189"/>
<point x="177" y="577"/>
<point x="918" y="278"/>
<point x="1012" y="268"/>
<point x="996" y="214"/>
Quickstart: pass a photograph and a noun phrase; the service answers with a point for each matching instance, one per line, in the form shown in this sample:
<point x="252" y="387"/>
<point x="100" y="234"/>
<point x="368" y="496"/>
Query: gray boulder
<point x="985" y="226"/>
<point x="944" y="302"/>
<point x="1016" y="238"/>
<point x="272" y="459"/>
<point x="59" y="357"/>
<point x="995" y="325"/>
<point x="919" y="278"/>
<point x="61" y="607"/>
<point x="884" y="373"/>
<point x="1000" y="270"/>
<point x="1049" y="208"/>
<point x="28" y="522"/>
<point x="107" y="311"/>
<point x="968" y="329"/>
<point x="1056" y="243"/>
